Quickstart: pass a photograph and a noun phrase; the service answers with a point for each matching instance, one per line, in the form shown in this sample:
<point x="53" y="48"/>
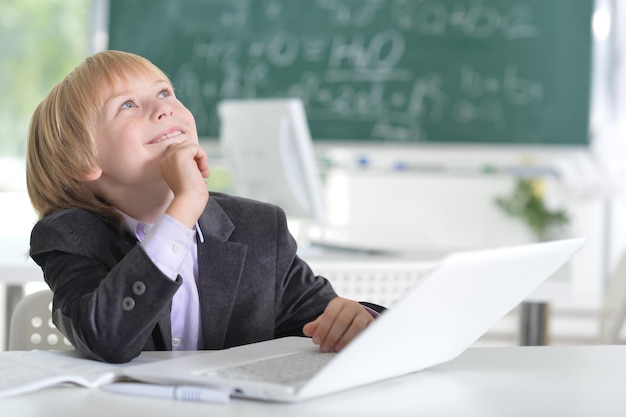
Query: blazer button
<point x="128" y="303"/>
<point x="139" y="287"/>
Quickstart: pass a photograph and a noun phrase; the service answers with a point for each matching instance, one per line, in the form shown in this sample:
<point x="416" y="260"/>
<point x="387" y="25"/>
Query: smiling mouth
<point x="167" y="136"/>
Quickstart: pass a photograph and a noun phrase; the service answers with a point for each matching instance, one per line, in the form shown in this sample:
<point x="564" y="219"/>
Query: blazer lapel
<point x="220" y="263"/>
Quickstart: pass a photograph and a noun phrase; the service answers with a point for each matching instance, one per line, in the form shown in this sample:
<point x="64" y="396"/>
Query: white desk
<point x="542" y="381"/>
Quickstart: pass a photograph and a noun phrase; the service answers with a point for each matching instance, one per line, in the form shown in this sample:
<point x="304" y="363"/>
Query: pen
<point x="174" y="392"/>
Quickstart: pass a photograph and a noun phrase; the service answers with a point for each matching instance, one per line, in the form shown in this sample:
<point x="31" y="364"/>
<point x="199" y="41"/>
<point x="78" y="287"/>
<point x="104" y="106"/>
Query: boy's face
<point x="139" y="120"/>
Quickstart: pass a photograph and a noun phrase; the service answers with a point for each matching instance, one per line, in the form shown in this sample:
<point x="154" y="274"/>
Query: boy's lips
<point x="168" y="134"/>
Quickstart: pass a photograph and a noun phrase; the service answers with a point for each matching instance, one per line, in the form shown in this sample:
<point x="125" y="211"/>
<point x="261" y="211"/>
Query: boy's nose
<point x="163" y="114"/>
<point x="162" y="110"/>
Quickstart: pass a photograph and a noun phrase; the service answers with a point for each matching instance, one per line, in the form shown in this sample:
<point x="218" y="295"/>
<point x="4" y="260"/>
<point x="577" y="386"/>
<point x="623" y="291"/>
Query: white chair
<point x="31" y="325"/>
<point x="613" y="312"/>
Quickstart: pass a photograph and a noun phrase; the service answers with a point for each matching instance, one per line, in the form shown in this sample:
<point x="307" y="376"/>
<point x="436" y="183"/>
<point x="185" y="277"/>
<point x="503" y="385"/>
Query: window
<point x="40" y="42"/>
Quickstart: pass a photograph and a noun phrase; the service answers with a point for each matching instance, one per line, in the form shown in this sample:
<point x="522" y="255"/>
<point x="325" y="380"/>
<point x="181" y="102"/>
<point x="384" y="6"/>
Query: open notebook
<point x="464" y="295"/>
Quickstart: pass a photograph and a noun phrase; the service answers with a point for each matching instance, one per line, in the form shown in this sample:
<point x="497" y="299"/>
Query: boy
<point x="137" y="253"/>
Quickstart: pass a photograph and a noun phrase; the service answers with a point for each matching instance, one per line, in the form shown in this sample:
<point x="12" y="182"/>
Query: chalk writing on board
<point x="388" y="70"/>
<point x="362" y="76"/>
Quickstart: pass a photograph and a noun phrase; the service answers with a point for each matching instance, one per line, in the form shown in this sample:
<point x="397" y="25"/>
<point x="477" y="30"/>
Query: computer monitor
<point x="268" y="148"/>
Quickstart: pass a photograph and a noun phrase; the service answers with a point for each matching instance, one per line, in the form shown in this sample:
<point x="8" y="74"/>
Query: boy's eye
<point x="127" y="105"/>
<point x="165" y="93"/>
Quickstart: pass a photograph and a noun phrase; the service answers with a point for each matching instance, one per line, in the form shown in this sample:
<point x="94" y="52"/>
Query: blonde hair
<point x="61" y="145"/>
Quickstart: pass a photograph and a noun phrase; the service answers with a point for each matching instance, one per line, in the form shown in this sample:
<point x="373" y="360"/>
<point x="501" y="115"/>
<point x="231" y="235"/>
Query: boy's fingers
<point x="349" y="322"/>
<point x="318" y="328"/>
<point x="309" y="328"/>
<point x="203" y="165"/>
<point x="357" y="326"/>
<point x="341" y="321"/>
<point x="336" y="319"/>
<point x="340" y="333"/>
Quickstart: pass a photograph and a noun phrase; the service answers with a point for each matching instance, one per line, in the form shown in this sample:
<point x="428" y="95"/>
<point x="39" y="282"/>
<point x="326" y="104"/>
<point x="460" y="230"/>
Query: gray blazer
<point x="112" y="302"/>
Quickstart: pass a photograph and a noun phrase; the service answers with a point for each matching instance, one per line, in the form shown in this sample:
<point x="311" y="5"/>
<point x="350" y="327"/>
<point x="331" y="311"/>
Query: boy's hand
<point x="184" y="167"/>
<point x="341" y="321"/>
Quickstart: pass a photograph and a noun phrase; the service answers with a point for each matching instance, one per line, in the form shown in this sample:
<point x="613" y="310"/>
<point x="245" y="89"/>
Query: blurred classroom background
<point x="437" y="125"/>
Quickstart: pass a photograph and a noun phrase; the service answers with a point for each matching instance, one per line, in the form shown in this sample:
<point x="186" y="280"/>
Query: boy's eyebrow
<point x="115" y="94"/>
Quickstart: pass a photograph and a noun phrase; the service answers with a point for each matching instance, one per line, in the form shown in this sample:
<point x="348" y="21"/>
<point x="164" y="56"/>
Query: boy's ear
<point x="92" y="175"/>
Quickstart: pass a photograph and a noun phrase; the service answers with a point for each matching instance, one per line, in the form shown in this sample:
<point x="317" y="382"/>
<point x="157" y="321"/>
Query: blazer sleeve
<point x="105" y="286"/>
<point x="302" y="296"/>
<point x="277" y="292"/>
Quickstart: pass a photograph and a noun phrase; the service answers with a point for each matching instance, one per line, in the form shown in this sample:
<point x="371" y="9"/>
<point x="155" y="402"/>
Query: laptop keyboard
<point x="288" y="370"/>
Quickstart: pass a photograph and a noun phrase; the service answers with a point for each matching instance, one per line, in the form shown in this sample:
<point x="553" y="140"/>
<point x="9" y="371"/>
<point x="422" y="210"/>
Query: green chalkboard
<point x="457" y="71"/>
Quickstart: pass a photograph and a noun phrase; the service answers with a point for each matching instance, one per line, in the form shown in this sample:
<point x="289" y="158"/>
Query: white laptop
<point x="460" y="300"/>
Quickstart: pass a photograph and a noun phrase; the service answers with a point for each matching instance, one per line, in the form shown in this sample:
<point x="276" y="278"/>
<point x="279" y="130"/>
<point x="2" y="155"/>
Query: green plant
<point x="527" y="203"/>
